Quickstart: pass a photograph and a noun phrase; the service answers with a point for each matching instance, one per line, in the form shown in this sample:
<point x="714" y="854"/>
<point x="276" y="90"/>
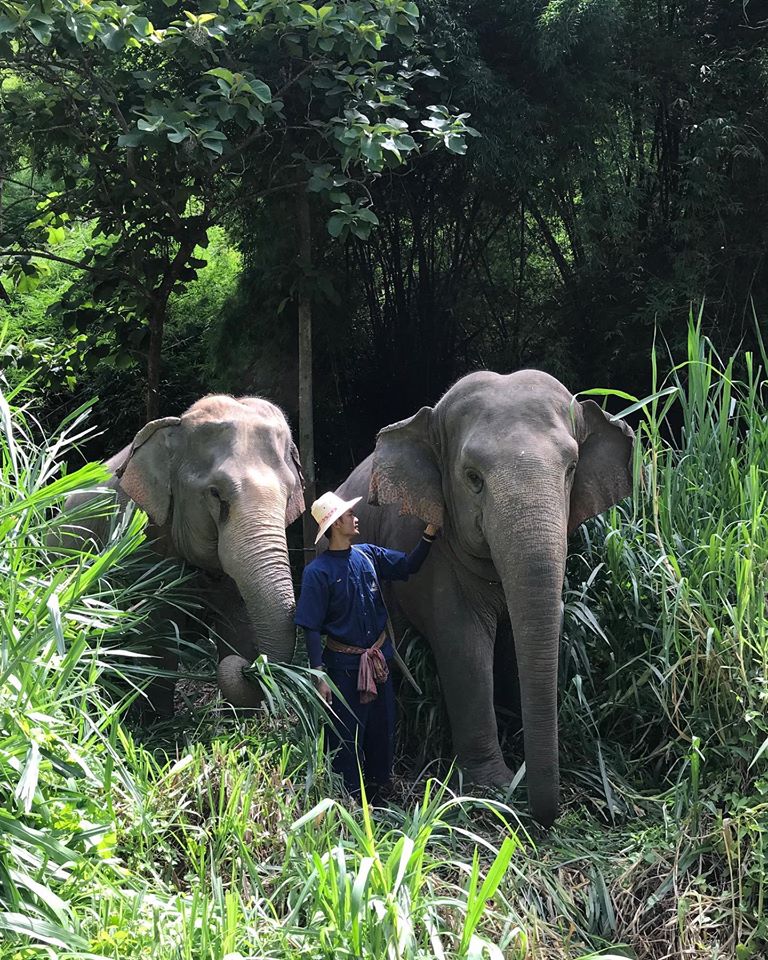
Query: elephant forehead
<point x="492" y="412"/>
<point x="232" y="447"/>
<point x="223" y="409"/>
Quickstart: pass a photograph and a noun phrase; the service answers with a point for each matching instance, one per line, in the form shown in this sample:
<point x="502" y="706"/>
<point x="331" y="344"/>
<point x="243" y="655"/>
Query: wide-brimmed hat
<point x="328" y="508"/>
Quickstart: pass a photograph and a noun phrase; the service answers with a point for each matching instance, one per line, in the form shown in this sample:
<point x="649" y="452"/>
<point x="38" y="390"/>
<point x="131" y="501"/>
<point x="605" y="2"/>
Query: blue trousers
<point x="366" y="731"/>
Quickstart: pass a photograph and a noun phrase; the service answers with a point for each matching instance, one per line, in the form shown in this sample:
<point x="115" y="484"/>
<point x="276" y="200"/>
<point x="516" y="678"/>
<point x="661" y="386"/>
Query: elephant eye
<point x="474" y="480"/>
<point x="571" y="469"/>
<point x="223" y="505"/>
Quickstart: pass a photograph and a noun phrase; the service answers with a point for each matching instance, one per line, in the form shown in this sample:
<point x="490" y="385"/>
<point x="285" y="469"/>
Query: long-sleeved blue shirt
<point x="340" y="596"/>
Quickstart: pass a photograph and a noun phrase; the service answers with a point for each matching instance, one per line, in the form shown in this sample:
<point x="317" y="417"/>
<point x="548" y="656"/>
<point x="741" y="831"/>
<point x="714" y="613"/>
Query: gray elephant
<point x="220" y="485"/>
<point x="508" y="466"/>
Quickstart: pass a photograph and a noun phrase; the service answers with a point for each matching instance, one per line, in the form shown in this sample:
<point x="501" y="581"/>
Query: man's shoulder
<point x="366" y="551"/>
<point x="374" y="551"/>
<point x="317" y="567"/>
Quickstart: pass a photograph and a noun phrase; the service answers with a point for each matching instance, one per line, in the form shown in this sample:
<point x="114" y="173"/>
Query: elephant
<point x="508" y="465"/>
<point x="220" y="484"/>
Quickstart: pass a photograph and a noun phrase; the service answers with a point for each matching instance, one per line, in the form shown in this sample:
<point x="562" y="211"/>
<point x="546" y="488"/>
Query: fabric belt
<point x="373" y="667"/>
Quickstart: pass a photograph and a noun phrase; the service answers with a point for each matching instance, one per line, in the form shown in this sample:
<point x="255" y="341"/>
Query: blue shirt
<point x="340" y="596"/>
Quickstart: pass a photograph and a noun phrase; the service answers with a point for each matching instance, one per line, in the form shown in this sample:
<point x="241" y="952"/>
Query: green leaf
<point x="455" y="144"/>
<point x="336" y="225"/>
<point x="141" y="26"/>
<point x="42" y="930"/>
<point x="41" y="31"/>
<point x="178" y="136"/>
<point x="130" y="139"/>
<point x="7" y="25"/>
<point x="361" y="230"/>
<point x="317" y="811"/>
<point x="225" y="111"/>
<point x="308" y="8"/>
<point x="27" y="785"/>
<point x="82" y="27"/>
<point x="406" y="142"/>
<point x="366" y="214"/>
<point x="261" y="91"/>
<point x="390" y="146"/>
<point x="371" y="150"/>
<point x="222" y="74"/>
<point x="150" y="126"/>
<point x="113" y="37"/>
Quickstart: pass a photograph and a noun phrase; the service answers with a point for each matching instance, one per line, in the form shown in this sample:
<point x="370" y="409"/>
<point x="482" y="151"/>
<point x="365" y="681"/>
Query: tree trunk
<point x="306" y="425"/>
<point x="154" y="354"/>
<point x="157" y="313"/>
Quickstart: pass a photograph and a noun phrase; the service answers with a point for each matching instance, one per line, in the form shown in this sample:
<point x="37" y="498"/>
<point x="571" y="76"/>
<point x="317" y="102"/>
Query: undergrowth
<point x="215" y="836"/>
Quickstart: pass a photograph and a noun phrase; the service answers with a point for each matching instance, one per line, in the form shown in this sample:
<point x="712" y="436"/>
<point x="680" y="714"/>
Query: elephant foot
<point x="234" y="686"/>
<point x="495" y="774"/>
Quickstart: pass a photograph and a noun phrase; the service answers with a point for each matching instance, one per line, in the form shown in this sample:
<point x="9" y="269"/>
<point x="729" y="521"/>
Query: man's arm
<point x="418" y="555"/>
<point x="314" y="642"/>
<point x="394" y="565"/>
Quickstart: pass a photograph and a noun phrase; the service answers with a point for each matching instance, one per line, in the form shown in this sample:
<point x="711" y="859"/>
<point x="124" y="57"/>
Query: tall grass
<point x="227" y="837"/>
<point x="665" y="677"/>
<point x="663" y="723"/>
<point x="215" y="841"/>
<point x="675" y="583"/>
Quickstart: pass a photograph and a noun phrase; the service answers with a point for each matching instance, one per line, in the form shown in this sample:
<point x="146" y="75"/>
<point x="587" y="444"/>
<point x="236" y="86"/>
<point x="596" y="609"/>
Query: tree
<point x="153" y="120"/>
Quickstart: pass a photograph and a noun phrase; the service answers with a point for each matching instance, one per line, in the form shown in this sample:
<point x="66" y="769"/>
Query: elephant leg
<point x="165" y="626"/>
<point x="506" y="682"/>
<point x="160" y="691"/>
<point x="462" y="642"/>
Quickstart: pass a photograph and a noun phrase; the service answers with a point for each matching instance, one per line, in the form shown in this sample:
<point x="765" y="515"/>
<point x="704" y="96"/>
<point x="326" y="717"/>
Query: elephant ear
<point x="604" y="474"/>
<point x="296" y="505"/>
<point x="406" y="471"/>
<point x="145" y="476"/>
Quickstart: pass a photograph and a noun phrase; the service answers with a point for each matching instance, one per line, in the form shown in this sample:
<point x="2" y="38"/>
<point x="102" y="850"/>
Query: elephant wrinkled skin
<point x="220" y="484"/>
<point x="509" y="465"/>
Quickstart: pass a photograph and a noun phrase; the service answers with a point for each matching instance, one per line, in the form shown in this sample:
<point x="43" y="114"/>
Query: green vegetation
<point x="154" y="123"/>
<point x="154" y="158"/>
<point x="213" y="836"/>
<point x="222" y="843"/>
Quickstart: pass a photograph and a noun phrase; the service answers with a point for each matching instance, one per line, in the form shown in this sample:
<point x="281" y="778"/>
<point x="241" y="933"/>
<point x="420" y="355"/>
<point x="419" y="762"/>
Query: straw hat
<point x="328" y="508"/>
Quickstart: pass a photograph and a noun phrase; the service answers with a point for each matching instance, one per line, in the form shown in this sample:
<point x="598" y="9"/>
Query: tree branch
<point x="49" y="256"/>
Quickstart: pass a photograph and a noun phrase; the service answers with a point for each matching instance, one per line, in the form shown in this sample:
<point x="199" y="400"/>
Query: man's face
<point x="347" y="524"/>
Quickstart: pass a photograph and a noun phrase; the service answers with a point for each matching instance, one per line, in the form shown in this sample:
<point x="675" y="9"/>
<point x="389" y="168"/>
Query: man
<point x="341" y="597"/>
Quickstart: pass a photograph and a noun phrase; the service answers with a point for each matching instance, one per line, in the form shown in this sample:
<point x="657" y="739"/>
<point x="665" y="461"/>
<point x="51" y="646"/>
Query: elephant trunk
<point x="528" y="548"/>
<point x="256" y="557"/>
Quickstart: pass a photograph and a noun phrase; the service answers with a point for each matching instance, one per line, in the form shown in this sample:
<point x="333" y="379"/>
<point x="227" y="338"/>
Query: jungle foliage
<point x="214" y="837"/>
<point x="152" y="157"/>
<point x="618" y="176"/>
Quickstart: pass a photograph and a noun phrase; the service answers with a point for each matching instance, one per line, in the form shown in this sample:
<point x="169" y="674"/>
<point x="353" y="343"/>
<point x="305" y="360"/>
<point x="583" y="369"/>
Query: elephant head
<point x="510" y="465"/>
<point x="221" y="483"/>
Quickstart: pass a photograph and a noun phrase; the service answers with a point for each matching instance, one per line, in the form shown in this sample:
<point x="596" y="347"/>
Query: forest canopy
<point x="618" y="176"/>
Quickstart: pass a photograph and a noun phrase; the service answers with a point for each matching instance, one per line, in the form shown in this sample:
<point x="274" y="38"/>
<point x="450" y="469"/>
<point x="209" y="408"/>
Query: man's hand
<point x="431" y="530"/>
<point x="323" y="690"/>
